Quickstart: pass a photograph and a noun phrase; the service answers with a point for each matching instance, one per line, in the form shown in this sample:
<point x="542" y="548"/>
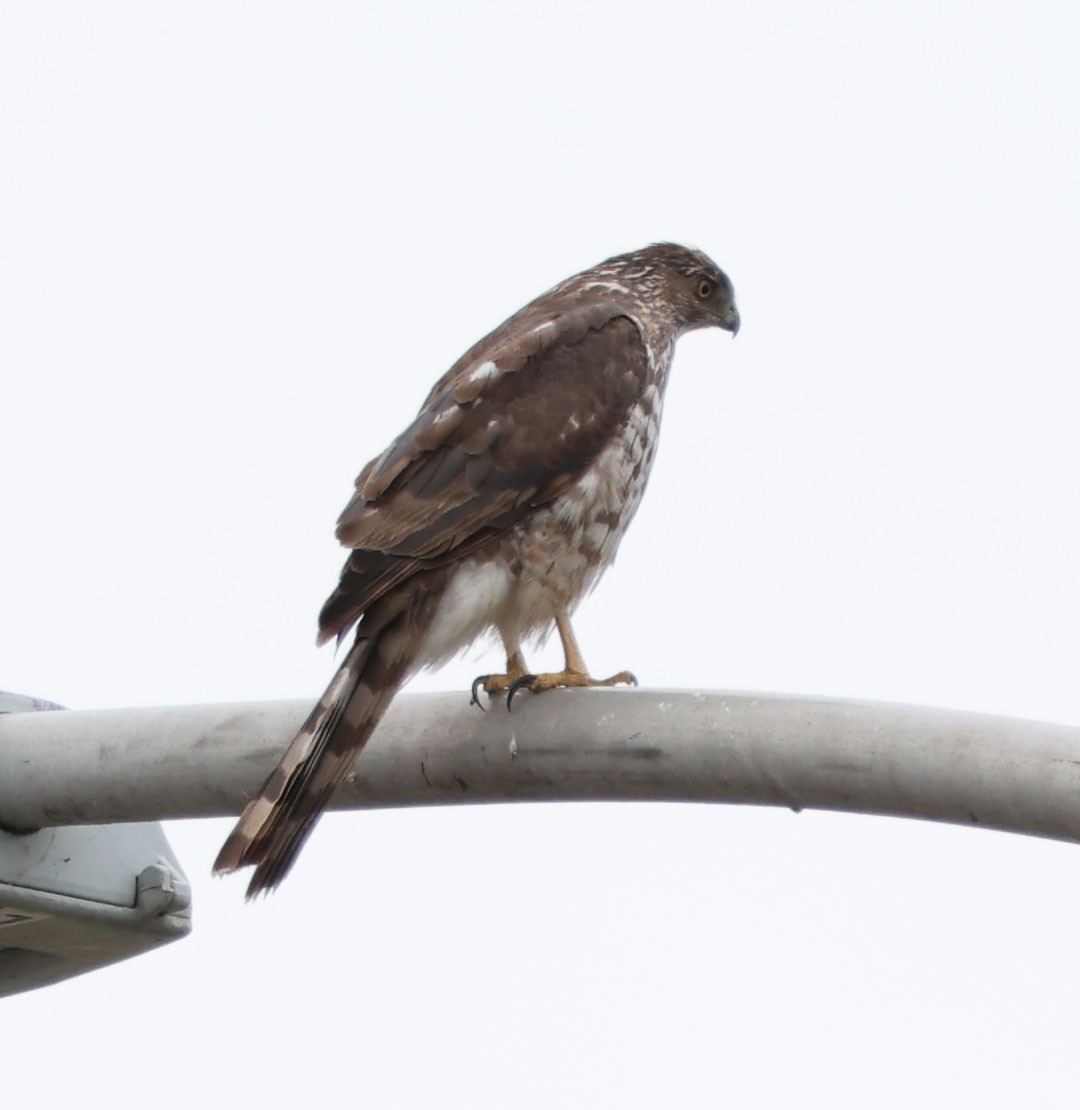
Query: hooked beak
<point x="730" y="321"/>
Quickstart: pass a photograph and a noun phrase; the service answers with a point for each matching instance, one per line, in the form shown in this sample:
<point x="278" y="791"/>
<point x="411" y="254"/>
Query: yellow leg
<point x="574" y="673"/>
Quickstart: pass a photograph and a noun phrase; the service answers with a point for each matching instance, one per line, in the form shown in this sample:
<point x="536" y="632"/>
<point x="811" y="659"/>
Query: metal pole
<point x="101" y="766"/>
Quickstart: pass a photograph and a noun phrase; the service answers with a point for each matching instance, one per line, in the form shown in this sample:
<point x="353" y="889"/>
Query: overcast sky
<point x="239" y="241"/>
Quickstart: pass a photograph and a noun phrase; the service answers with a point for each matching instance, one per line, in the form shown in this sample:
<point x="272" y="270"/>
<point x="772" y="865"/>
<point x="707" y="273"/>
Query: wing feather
<point x="512" y="425"/>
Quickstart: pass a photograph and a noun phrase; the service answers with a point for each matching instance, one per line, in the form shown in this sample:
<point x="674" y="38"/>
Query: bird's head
<point x="685" y="282"/>
<point x="698" y="287"/>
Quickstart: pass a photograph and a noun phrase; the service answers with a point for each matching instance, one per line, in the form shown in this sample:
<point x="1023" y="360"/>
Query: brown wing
<point x="511" y="426"/>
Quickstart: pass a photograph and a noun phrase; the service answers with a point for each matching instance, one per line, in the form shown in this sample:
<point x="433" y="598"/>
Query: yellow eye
<point x="704" y="289"/>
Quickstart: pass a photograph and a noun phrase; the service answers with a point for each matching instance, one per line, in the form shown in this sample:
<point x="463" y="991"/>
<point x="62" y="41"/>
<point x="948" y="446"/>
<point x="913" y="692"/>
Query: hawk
<point x="496" y="509"/>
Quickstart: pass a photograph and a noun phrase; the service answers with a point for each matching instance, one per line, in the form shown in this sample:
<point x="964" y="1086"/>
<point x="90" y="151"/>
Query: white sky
<point x="239" y="241"/>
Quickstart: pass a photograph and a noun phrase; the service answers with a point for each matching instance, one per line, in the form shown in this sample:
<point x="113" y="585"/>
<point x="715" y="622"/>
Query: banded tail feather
<point x="278" y="820"/>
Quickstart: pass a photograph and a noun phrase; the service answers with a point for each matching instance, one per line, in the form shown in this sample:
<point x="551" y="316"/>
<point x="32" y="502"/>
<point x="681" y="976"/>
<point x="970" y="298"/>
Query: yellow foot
<point x="498" y="683"/>
<point x="538" y="683"/>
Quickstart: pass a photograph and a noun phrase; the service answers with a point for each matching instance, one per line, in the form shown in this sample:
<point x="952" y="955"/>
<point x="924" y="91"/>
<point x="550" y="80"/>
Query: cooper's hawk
<point x="497" y="508"/>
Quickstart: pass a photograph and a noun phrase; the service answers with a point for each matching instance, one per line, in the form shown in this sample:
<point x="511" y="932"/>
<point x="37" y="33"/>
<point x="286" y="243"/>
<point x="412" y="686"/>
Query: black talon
<point x="524" y="682"/>
<point x="474" y="700"/>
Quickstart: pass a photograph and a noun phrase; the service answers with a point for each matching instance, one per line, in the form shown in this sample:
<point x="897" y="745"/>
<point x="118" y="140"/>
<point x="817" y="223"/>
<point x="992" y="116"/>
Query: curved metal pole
<point x="96" y="767"/>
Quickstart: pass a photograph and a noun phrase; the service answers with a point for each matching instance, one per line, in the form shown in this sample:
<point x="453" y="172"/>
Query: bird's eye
<point x="704" y="289"/>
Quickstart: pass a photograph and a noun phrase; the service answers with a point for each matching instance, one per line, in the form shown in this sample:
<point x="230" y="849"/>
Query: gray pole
<point x="102" y="766"/>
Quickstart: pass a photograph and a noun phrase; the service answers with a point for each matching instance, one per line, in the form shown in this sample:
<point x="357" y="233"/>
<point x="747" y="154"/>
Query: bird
<point x="496" y="510"/>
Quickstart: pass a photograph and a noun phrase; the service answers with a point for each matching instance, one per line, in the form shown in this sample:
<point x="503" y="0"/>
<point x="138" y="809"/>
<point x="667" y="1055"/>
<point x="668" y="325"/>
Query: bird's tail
<point x="274" y="825"/>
